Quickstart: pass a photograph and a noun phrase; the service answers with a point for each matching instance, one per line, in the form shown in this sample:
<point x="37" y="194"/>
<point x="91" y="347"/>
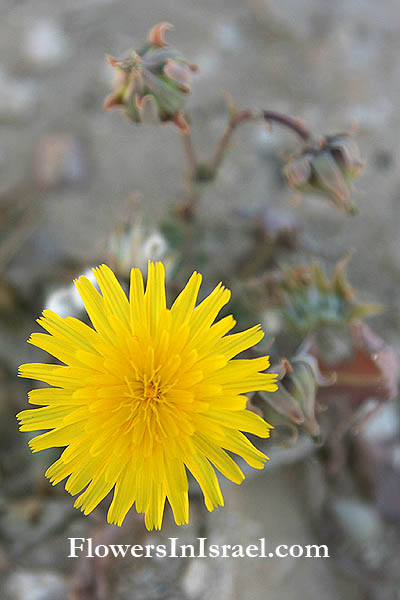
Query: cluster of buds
<point x="327" y="167"/>
<point x="152" y="83"/>
<point x="292" y="409"/>
<point x="306" y="299"/>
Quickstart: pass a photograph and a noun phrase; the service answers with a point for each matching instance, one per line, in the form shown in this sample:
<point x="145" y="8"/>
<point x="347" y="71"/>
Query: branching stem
<point x="240" y="117"/>
<point x="212" y="167"/>
<point x="247" y="115"/>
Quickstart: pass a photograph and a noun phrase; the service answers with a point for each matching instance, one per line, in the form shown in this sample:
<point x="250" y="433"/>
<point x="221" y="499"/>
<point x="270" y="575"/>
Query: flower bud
<point x="310" y="300"/>
<point x="152" y="83"/>
<point x="327" y="167"/>
<point x="292" y="408"/>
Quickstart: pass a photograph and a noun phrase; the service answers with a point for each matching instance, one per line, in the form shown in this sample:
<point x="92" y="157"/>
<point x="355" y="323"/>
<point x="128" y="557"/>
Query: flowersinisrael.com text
<point x="85" y="547"/>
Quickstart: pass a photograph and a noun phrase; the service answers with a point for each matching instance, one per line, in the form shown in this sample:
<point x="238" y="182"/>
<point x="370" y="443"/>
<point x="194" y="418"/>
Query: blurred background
<point x="67" y="171"/>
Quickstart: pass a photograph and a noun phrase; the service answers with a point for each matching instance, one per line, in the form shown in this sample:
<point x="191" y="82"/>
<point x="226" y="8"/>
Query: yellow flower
<point x="146" y="393"/>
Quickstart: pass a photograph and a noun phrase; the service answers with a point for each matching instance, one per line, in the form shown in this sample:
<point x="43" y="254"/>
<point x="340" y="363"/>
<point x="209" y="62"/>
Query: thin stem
<point x="189" y="153"/>
<point x="289" y="122"/>
<point x="189" y="208"/>
<point x="248" y="115"/>
<point x="212" y="167"/>
<point x="241" y="117"/>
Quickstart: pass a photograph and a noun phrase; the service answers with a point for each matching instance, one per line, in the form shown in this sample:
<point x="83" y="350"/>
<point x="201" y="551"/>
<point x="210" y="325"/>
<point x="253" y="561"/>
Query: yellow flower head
<point x="146" y="393"/>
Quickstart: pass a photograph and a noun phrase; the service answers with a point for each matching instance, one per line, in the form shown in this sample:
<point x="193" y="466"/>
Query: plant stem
<point x="189" y="153"/>
<point x="289" y="122"/>
<point x="240" y="117"/>
<point x="247" y="115"/>
<point x="188" y="209"/>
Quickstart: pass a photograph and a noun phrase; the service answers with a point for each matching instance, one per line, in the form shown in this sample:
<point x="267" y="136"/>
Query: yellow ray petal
<point x="80" y="476"/>
<point x="124" y="496"/>
<point x="56" y="375"/>
<point x="52" y="396"/>
<point x="184" y="304"/>
<point x="177" y="489"/>
<point x="48" y="417"/>
<point x="57" y="438"/>
<point x="203" y="472"/>
<point x="233" y="344"/>
<point x="115" y="300"/>
<point x="65" y="351"/>
<point x="94" y="304"/>
<point x="205" y="313"/>
<point x="236" y="442"/>
<point x="154" y="297"/>
<point x="136" y="297"/>
<point x="80" y="334"/>
<point x="58" y="471"/>
<point x="93" y="495"/>
<point x="243" y="420"/>
<point x="259" y="382"/>
<point x="239" y="370"/>
<point x="219" y="458"/>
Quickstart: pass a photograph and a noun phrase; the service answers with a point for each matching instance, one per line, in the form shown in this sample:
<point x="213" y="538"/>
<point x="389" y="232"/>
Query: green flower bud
<point x="152" y="83"/>
<point x="306" y="300"/>
<point x="311" y="300"/>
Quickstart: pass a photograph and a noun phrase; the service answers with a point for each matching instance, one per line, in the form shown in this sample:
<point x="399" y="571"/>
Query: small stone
<point x="268" y="140"/>
<point x="18" y="97"/>
<point x="358" y="519"/>
<point x="383" y="425"/>
<point x="66" y="301"/>
<point x="46" y="44"/>
<point x="229" y="36"/>
<point x="361" y="527"/>
<point x="208" y="63"/>
<point x="195" y="580"/>
<point x="23" y="584"/>
<point x="59" y="159"/>
<point x="295" y="17"/>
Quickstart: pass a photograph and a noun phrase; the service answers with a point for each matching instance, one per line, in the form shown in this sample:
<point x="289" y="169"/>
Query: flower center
<point x="150" y="390"/>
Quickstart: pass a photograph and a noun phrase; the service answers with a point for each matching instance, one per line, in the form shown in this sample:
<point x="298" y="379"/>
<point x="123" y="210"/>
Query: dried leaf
<point x="370" y="373"/>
